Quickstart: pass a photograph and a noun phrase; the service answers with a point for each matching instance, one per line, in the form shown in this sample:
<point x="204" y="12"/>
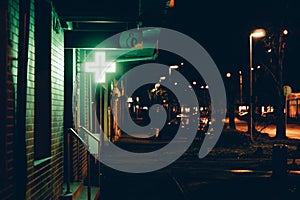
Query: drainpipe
<point x="20" y="135"/>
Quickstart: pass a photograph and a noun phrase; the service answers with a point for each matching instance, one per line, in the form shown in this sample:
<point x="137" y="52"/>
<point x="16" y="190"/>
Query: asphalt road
<point x="191" y="178"/>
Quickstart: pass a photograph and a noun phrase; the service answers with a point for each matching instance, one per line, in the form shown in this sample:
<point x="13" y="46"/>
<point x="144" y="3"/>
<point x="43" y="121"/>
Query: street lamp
<point x="228" y="75"/>
<point x="172" y="67"/>
<point x="231" y="100"/>
<point x="258" y="33"/>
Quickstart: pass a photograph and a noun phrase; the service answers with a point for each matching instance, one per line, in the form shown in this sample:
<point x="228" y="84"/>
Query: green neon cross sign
<point x="100" y="66"/>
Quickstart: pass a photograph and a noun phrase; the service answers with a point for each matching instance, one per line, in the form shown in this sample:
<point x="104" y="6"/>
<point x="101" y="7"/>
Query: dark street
<point x="149" y="99"/>
<point x="223" y="174"/>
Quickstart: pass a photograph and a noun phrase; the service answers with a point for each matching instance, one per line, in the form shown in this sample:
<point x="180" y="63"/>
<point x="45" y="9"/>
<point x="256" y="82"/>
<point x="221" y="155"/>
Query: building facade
<point x="293" y="105"/>
<point x="49" y="108"/>
<point x="32" y="100"/>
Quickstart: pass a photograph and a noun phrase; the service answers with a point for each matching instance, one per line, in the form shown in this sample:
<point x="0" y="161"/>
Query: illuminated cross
<point x="100" y="66"/>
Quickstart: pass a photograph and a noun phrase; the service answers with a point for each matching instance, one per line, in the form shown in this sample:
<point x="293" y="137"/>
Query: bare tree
<point x="276" y="44"/>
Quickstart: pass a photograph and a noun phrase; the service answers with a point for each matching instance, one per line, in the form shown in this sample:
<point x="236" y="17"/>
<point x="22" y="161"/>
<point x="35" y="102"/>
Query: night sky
<point x="221" y="27"/>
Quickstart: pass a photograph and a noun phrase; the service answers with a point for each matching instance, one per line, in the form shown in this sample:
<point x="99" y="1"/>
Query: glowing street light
<point x="162" y="78"/>
<point x="228" y="75"/>
<point x="170" y="70"/>
<point x="174" y="67"/>
<point x="258" y="33"/>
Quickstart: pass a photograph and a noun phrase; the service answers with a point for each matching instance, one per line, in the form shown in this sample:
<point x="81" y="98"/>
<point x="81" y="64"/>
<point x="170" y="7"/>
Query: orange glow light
<point x="172" y="3"/>
<point x="241" y="171"/>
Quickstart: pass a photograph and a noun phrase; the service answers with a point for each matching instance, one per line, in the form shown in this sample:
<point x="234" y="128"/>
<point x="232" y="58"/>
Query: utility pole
<point x="277" y="44"/>
<point x="281" y="118"/>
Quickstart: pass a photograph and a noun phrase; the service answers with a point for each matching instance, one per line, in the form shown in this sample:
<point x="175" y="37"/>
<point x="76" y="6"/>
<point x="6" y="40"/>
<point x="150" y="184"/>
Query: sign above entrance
<point x="131" y="39"/>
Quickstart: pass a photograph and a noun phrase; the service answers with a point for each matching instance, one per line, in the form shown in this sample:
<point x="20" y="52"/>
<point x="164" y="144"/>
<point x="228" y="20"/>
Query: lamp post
<point x="170" y="103"/>
<point x="281" y="117"/>
<point x="170" y="69"/>
<point x="258" y="33"/>
<point x="241" y="88"/>
<point x="231" y="98"/>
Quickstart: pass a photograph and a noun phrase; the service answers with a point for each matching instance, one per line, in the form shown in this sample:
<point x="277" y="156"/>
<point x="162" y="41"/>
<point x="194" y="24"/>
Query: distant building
<point x="293" y="106"/>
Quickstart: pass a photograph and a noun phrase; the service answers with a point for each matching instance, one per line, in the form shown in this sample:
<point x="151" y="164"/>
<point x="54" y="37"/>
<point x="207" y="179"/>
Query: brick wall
<point x="7" y="104"/>
<point x="57" y="103"/>
<point x="44" y="180"/>
<point x="79" y="156"/>
<point x="30" y="101"/>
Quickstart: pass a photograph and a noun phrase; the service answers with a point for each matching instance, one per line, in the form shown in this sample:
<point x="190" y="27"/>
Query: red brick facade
<point x="44" y="177"/>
